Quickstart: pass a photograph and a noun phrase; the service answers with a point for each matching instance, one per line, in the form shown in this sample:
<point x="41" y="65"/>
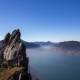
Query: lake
<point x="50" y="64"/>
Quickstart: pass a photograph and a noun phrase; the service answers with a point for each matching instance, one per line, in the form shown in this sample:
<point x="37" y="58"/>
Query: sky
<point x="41" y="20"/>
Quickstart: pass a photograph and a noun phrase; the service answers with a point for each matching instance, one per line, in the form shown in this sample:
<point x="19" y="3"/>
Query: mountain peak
<point x="13" y="55"/>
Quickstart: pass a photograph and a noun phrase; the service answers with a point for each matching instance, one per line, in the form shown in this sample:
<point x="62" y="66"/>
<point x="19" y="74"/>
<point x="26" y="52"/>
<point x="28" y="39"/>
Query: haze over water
<point x="54" y="65"/>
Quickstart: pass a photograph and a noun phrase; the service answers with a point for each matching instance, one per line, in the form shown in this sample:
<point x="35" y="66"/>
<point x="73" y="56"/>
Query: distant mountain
<point x="37" y="44"/>
<point x="45" y="43"/>
<point x="31" y="44"/>
<point x="69" y="45"/>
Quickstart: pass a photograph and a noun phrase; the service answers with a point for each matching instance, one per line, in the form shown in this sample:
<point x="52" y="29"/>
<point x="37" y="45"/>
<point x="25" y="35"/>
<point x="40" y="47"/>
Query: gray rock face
<point x="13" y="50"/>
<point x="13" y="55"/>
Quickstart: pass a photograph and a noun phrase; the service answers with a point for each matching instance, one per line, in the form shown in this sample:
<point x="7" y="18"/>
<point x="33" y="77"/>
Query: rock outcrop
<point x="13" y="54"/>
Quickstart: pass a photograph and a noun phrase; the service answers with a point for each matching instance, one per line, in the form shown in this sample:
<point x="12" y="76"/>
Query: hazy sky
<point x="41" y="20"/>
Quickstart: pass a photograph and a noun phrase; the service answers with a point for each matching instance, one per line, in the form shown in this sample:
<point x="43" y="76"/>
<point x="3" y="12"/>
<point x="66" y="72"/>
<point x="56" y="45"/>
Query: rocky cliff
<point x="13" y="57"/>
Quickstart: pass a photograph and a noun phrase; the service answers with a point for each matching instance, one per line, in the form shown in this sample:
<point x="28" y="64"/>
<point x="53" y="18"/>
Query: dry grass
<point x="5" y="73"/>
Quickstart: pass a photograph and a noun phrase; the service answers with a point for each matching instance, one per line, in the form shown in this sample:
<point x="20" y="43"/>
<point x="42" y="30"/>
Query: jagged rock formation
<point x="13" y="54"/>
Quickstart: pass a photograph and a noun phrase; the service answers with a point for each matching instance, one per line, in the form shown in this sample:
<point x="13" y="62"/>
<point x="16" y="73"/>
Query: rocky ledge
<point x="13" y="58"/>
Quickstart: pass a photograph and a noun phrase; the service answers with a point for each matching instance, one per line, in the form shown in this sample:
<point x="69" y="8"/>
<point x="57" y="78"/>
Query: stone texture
<point x="13" y="54"/>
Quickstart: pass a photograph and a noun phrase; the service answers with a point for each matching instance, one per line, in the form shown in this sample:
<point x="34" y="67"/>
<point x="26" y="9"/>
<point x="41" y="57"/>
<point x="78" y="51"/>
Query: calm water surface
<point x="54" y="65"/>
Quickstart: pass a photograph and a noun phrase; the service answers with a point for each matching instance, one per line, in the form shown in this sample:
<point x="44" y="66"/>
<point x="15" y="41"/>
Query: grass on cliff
<point x="5" y="73"/>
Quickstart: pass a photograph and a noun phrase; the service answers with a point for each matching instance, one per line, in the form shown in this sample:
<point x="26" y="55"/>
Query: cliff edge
<point x="13" y="58"/>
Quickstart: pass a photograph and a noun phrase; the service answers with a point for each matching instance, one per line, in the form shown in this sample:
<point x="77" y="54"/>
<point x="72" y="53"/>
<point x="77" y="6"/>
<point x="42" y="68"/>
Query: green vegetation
<point x="5" y="73"/>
